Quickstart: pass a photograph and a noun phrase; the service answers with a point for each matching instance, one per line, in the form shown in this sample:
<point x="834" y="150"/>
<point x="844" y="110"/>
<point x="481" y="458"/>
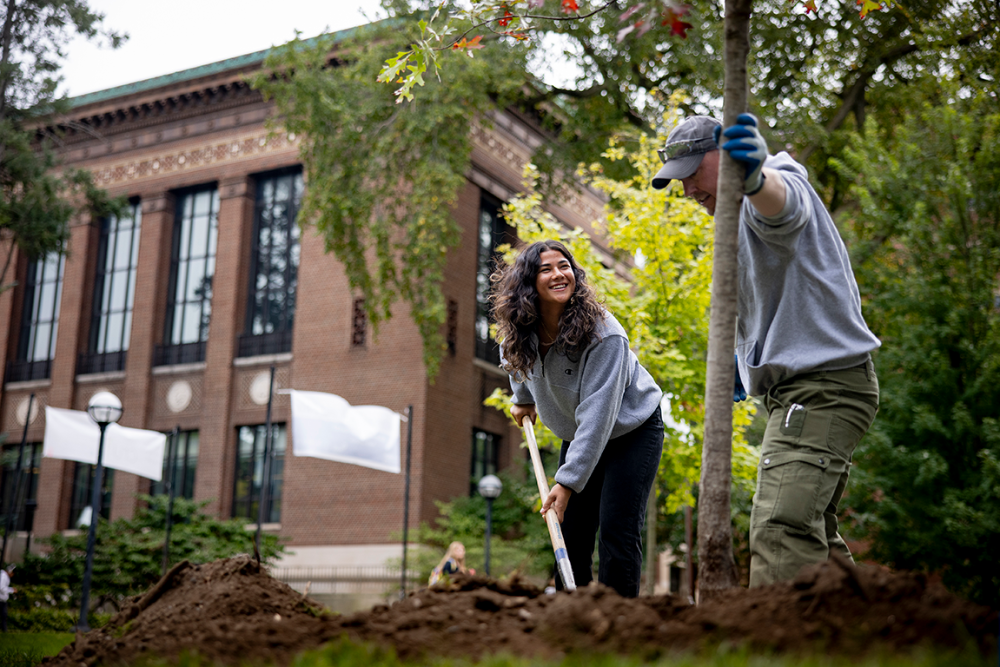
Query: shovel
<point x="555" y="531"/>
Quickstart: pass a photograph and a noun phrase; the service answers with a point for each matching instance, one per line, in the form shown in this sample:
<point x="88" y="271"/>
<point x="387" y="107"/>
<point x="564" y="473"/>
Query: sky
<point x="180" y="34"/>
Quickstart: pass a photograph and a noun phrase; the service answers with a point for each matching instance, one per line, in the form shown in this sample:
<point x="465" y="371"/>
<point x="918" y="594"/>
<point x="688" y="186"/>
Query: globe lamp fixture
<point x="105" y="408"/>
<point x="490" y="486"/>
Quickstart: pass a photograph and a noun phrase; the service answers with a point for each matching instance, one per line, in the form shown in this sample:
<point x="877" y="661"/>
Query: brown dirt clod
<point x="231" y="611"/>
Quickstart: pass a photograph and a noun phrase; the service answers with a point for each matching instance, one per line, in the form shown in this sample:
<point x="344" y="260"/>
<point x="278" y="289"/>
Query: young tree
<point x="38" y="200"/>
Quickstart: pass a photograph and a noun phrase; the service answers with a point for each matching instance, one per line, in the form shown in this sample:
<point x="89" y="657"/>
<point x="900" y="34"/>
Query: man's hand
<point x="519" y="412"/>
<point x="556" y="500"/>
<point x="746" y="146"/>
<point x="739" y="392"/>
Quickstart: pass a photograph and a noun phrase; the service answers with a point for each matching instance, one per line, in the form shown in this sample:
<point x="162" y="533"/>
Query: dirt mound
<point x="231" y="611"/>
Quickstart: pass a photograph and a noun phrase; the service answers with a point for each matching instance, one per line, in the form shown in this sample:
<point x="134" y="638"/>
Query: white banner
<point x="73" y="435"/>
<point x="326" y="426"/>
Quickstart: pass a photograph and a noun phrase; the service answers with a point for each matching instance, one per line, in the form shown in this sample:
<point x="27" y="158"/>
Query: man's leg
<point x="855" y="415"/>
<point x="579" y="525"/>
<point x="815" y="422"/>
<point x="630" y="465"/>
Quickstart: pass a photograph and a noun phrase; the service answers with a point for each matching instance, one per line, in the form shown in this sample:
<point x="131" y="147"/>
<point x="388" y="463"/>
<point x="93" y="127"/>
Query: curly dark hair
<point x="517" y="312"/>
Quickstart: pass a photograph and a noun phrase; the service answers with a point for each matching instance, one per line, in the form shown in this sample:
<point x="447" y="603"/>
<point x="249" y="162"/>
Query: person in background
<point x="570" y="364"/>
<point x="453" y="562"/>
<point x="5" y="592"/>
<point x="802" y="342"/>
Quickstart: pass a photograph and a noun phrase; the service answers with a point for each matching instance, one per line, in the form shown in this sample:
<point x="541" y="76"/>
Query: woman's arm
<point x="605" y="374"/>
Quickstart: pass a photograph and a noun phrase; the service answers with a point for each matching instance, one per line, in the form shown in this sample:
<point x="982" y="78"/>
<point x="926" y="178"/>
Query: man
<point x="802" y="343"/>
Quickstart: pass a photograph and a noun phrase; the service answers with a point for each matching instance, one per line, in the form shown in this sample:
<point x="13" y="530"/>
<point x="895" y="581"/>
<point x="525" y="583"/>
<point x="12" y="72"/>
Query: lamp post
<point x="104" y="408"/>
<point x="490" y="487"/>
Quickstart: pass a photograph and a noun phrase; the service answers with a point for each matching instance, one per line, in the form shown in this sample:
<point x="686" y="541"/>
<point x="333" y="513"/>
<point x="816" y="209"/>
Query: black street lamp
<point x="490" y="487"/>
<point x="104" y="408"/>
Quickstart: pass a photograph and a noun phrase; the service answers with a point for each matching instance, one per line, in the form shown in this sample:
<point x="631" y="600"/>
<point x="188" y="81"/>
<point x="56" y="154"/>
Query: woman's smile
<point x="555" y="282"/>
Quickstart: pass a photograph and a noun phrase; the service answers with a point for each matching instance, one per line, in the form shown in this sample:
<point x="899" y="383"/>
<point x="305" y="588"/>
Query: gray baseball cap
<point x="686" y="146"/>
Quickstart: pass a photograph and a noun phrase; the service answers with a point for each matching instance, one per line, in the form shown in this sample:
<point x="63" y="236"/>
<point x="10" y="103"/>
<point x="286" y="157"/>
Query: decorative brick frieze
<point x="218" y="153"/>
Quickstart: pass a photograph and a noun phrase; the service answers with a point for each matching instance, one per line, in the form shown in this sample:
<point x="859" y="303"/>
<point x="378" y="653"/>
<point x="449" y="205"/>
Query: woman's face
<point x="555" y="282"/>
<point x="459" y="551"/>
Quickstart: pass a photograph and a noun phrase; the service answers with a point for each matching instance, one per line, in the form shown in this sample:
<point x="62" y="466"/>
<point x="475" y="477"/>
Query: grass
<point x="344" y="653"/>
<point x="25" y="649"/>
<point x="28" y="649"/>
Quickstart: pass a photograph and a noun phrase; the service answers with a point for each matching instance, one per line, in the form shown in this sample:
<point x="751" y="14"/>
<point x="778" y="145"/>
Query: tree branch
<point x="487" y="22"/>
<point x="853" y="98"/>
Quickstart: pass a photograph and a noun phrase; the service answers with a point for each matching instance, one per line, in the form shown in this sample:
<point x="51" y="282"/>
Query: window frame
<point x="30" y="468"/>
<point x="246" y="506"/>
<point x="79" y="499"/>
<point x="490" y="441"/>
<point x="500" y="232"/>
<point x="27" y="365"/>
<point x="259" y="300"/>
<point x="103" y="354"/>
<point x="185" y="465"/>
<point x="176" y="347"/>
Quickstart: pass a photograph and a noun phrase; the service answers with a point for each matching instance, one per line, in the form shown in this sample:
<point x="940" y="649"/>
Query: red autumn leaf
<point x="505" y="21"/>
<point x="810" y="6"/>
<point x="570" y="6"/>
<point x="672" y="17"/>
<point x="468" y="44"/>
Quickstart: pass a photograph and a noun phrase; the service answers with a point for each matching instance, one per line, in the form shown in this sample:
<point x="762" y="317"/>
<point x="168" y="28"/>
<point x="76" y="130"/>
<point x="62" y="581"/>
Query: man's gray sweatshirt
<point x="603" y="395"/>
<point x="799" y="305"/>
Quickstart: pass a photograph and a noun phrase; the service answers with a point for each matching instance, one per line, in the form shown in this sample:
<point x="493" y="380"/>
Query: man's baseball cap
<point x="686" y="146"/>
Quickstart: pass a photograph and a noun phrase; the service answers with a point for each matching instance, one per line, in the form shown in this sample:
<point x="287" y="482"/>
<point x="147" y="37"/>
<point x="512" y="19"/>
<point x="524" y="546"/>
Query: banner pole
<point x="11" y="510"/>
<point x="171" y="458"/>
<point x="266" y="468"/>
<point x="406" y="498"/>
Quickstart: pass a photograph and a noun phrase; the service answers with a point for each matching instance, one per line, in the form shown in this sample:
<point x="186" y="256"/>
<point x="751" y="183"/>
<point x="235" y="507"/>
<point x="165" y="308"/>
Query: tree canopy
<point x="39" y="197"/>
<point x="926" y="233"/>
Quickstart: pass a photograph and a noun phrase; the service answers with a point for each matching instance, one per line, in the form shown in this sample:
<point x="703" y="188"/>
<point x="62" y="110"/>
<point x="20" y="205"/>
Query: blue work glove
<point x="739" y="393"/>
<point x="746" y="146"/>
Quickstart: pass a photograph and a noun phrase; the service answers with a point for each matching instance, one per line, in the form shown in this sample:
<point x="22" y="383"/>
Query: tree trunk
<point x="716" y="565"/>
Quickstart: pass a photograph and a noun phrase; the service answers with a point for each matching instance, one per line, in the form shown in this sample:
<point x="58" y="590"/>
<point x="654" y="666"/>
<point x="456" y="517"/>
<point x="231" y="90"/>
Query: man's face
<point x="703" y="183"/>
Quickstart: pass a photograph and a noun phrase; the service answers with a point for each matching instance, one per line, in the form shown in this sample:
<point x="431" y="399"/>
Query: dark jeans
<point x="614" y="500"/>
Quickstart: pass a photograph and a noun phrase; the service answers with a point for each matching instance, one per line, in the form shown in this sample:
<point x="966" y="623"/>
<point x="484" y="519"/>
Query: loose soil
<point x="231" y="611"/>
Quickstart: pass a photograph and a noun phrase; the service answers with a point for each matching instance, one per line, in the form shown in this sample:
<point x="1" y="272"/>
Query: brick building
<point x="182" y="310"/>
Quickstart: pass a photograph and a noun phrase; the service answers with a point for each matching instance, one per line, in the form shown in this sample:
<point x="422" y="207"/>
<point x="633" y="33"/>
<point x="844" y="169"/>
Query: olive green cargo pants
<point x="815" y="421"/>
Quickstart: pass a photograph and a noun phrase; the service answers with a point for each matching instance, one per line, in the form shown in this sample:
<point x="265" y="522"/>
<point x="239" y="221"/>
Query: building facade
<point x="182" y="308"/>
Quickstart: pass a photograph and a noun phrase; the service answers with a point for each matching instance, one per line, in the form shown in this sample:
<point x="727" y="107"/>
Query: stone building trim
<point x="210" y="153"/>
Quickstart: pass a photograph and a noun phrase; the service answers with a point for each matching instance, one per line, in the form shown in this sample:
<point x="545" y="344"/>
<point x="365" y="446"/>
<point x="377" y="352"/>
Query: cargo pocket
<point x="788" y="487"/>
<point x="793" y="419"/>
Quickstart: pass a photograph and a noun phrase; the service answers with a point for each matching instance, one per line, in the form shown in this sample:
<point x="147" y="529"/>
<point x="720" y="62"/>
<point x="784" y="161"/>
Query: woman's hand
<point x="519" y="412"/>
<point x="556" y="500"/>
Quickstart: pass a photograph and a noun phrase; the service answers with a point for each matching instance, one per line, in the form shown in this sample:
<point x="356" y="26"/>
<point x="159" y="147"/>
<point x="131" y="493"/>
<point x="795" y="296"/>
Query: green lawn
<point x="27" y="650"/>
<point x="24" y="649"/>
<point x="344" y="653"/>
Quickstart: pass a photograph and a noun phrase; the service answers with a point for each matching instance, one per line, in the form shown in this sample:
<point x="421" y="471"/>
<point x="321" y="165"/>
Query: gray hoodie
<point x="603" y="395"/>
<point x="799" y="305"/>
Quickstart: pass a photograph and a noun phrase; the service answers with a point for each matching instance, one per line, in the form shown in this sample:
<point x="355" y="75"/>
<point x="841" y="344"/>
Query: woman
<point x="452" y="562"/>
<point x="569" y="360"/>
